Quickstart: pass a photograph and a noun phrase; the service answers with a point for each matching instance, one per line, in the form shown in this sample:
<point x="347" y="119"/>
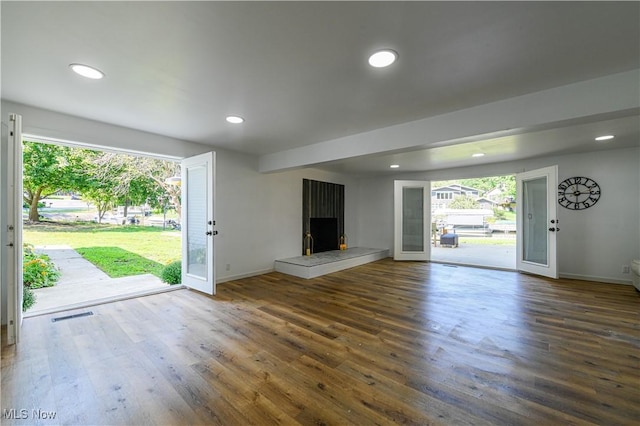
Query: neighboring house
<point x="443" y="196"/>
<point x="486" y="203"/>
<point x="496" y="194"/>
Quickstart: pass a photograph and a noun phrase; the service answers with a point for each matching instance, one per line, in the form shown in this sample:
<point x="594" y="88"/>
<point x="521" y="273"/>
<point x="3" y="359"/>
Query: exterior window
<point x="444" y="196"/>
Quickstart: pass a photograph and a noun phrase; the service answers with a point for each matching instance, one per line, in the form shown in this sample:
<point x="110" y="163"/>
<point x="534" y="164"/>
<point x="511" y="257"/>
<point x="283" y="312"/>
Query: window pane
<point x="413" y="219"/>
<point x="197" y="220"/>
<point x="535" y="231"/>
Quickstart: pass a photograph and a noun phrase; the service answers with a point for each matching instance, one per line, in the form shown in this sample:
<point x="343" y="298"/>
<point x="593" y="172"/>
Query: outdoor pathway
<point x="81" y="282"/>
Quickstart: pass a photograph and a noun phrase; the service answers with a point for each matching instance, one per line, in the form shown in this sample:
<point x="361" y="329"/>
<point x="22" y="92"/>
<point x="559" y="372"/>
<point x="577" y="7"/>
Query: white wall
<point x="259" y="216"/>
<point x="593" y="244"/>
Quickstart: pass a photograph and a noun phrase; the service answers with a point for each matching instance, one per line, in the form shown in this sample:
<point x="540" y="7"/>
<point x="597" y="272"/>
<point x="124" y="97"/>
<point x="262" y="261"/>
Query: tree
<point x="506" y="183"/>
<point x="140" y="179"/>
<point x="104" y="178"/>
<point x="47" y="169"/>
<point x="464" y="202"/>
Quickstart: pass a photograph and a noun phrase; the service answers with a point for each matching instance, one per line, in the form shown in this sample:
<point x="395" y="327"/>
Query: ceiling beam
<point x="549" y="108"/>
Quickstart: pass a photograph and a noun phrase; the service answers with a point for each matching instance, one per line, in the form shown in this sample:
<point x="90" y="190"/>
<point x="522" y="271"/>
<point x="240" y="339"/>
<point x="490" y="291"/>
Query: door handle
<point x="209" y="233"/>
<point x="552" y="229"/>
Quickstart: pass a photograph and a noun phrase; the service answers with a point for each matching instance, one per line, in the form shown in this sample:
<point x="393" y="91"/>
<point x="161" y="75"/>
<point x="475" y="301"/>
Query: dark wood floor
<point x="384" y="343"/>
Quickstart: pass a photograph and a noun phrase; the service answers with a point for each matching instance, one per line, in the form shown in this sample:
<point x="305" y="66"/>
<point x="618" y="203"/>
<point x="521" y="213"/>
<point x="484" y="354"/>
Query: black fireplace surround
<point x="322" y="214"/>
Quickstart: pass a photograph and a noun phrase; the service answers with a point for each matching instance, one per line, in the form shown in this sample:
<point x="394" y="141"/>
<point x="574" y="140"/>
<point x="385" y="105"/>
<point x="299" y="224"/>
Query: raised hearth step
<point x="328" y="262"/>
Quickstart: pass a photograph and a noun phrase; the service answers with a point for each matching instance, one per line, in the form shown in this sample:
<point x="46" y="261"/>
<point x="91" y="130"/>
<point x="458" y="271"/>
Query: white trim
<point x="245" y="275"/>
<point x="606" y="280"/>
<point x="75" y="144"/>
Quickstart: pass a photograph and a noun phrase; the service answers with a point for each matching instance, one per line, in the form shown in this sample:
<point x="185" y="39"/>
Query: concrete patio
<point x="82" y="283"/>
<point x="482" y="255"/>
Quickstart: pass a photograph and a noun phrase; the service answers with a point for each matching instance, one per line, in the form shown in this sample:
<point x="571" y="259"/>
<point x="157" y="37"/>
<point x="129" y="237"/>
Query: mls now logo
<point x="23" y="414"/>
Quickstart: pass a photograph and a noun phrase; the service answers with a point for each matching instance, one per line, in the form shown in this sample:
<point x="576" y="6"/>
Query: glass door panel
<point x="412" y="220"/>
<point x="197" y="220"/>
<point x="535" y="221"/>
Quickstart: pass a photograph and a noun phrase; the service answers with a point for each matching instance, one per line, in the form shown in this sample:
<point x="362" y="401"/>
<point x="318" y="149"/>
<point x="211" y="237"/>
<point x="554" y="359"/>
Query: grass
<point x="107" y="246"/>
<point x="117" y="262"/>
<point x="493" y="241"/>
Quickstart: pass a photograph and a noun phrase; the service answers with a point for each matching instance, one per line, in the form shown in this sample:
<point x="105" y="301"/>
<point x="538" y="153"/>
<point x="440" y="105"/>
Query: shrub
<point x="28" y="298"/>
<point x="172" y="273"/>
<point x="37" y="269"/>
<point x="499" y="214"/>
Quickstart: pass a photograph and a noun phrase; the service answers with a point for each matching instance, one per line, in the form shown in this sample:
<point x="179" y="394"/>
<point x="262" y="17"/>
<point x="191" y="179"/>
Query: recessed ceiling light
<point x="87" y="71"/>
<point x="394" y="166"/>
<point x="605" y="138"/>
<point x="478" y="154"/>
<point x="383" y="58"/>
<point x="234" y="119"/>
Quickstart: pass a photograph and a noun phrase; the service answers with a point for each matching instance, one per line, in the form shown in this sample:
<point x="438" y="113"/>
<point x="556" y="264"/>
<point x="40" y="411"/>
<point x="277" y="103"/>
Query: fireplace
<point x="322" y="214"/>
<point x="324" y="231"/>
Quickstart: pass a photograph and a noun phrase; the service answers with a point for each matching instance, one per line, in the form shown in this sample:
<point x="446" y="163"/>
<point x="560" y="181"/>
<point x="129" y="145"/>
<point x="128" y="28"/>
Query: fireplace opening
<point x="324" y="231"/>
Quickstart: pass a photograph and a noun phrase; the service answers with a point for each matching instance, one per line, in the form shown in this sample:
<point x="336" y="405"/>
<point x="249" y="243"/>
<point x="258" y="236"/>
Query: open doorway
<point x="474" y="221"/>
<point x="98" y="225"/>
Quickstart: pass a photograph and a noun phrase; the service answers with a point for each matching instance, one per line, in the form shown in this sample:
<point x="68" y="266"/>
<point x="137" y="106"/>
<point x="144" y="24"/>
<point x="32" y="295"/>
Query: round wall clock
<point x="578" y="193"/>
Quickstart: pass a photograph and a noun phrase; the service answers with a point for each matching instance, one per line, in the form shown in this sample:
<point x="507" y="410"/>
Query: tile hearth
<point x="327" y="262"/>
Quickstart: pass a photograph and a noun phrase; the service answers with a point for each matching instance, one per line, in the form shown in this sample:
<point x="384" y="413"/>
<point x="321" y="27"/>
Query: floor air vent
<point x="83" y="314"/>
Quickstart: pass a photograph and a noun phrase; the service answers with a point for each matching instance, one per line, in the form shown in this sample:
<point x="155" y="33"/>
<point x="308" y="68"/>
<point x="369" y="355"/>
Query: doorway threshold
<point x="471" y="265"/>
<point x="115" y="298"/>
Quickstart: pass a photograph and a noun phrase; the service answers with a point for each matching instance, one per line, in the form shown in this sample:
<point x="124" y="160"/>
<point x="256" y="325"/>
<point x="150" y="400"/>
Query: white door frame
<point x="13" y="228"/>
<point x="198" y="179"/>
<point x="398" y="251"/>
<point x="545" y="226"/>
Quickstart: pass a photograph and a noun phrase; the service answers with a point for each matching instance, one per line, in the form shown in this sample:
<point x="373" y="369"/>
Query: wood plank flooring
<point x="384" y="343"/>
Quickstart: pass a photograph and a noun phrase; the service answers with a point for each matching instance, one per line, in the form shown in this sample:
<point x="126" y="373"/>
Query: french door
<point x="198" y="266"/>
<point x="11" y="219"/>
<point x="537" y="221"/>
<point x="412" y="220"/>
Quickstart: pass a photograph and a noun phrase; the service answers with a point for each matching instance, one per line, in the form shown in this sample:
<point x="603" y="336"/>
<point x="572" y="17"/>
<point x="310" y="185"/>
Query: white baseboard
<point x="597" y="279"/>
<point x="562" y="275"/>
<point x="241" y="276"/>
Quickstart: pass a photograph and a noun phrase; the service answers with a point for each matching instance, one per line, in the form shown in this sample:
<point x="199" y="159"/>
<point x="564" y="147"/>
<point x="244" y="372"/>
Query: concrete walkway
<point x="82" y="283"/>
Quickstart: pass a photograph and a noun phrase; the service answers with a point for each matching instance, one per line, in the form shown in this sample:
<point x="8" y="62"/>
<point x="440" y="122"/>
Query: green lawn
<point x="493" y="240"/>
<point x="117" y="250"/>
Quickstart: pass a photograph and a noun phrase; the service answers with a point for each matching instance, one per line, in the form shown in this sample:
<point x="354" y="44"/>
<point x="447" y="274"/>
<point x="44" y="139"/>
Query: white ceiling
<point x="297" y="71"/>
